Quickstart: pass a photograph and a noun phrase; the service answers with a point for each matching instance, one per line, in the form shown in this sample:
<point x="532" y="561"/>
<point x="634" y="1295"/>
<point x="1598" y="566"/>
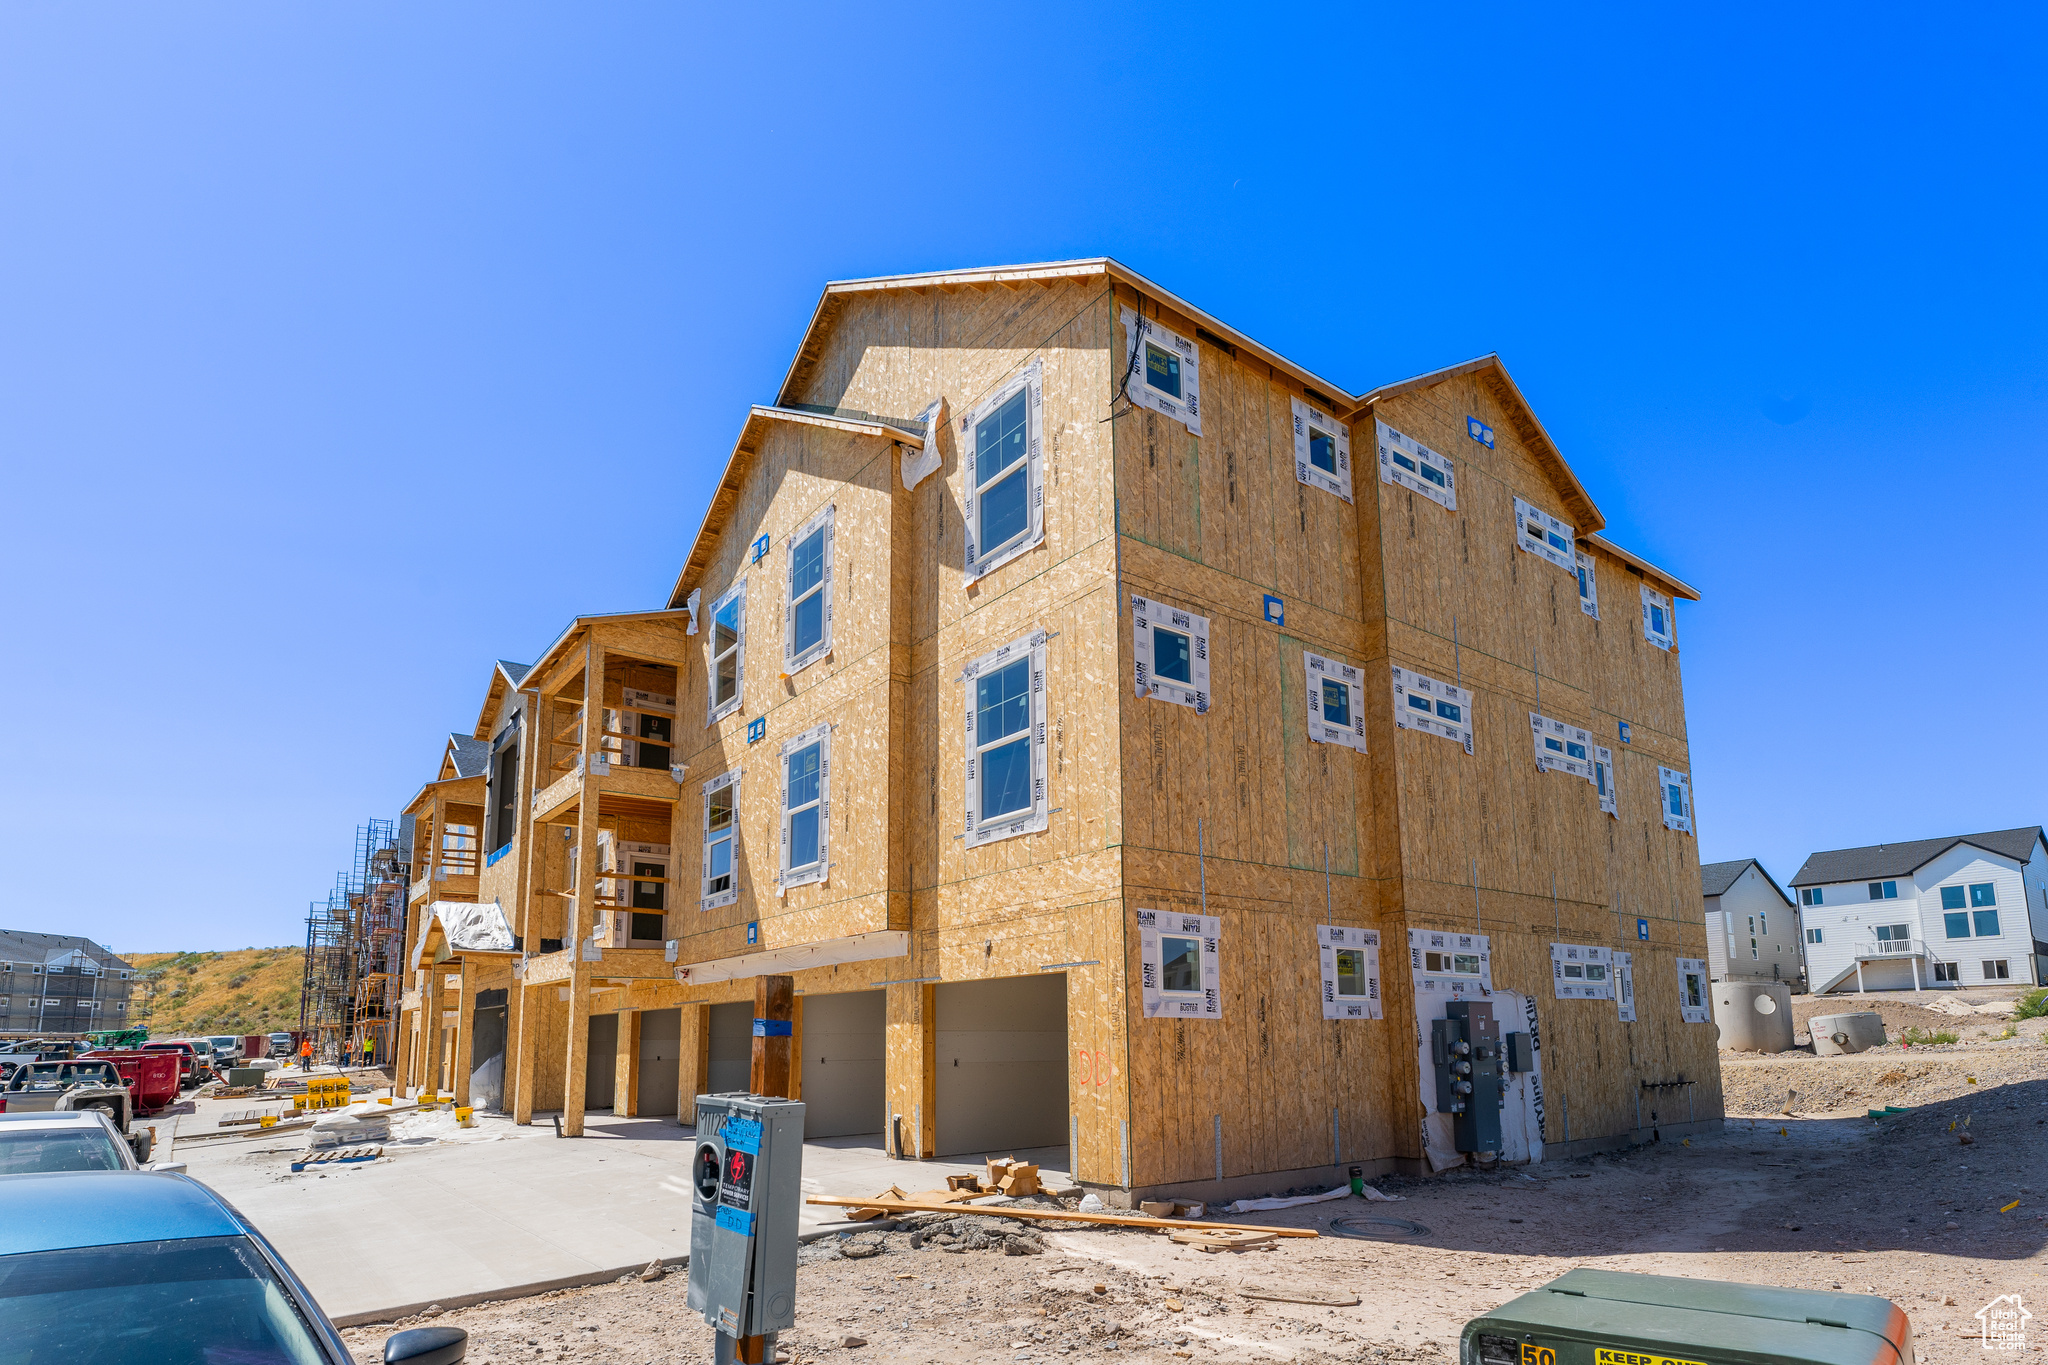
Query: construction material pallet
<point x="337" y="1156"/>
<point x="238" y="1117"/>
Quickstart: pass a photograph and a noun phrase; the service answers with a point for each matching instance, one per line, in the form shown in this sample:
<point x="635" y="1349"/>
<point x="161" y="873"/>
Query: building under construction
<point x="354" y="941"/>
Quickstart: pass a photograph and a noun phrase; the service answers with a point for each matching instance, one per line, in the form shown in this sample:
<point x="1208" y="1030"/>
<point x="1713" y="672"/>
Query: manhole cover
<point x="1375" y="1228"/>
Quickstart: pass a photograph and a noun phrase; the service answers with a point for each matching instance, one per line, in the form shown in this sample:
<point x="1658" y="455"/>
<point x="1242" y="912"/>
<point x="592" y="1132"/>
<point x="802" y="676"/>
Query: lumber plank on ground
<point x="1047" y="1215"/>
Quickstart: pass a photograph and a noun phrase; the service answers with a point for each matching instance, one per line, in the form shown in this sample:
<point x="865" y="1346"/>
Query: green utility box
<point x="1604" y="1317"/>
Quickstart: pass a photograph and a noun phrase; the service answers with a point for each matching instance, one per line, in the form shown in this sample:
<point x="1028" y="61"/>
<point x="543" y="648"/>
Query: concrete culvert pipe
<point x="1834" y="1034"/>
<point x="1754" y="1016"/>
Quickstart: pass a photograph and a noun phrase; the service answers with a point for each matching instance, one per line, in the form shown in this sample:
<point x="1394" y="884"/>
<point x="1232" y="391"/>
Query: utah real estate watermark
<point x="2005" y="1323"/>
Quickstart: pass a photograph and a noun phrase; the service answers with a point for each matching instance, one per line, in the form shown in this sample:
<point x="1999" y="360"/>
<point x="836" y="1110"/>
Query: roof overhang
<point x="1679" y="587"/>
<point x="554" y="651"/>
<point x="430" y="788"/>
<point x="503" y="684"/>
<point x="760" y="421"/>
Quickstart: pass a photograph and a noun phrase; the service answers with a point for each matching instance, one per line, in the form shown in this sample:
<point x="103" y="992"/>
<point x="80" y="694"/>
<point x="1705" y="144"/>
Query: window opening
<point x="1660" y="627"/>
<point x="632" y="890"/>
<point x="1603" y="780"/>
<point x="1005" y="513"/>
<point x="1179" y="963"/>
<point x="806" y="808"/>
<point x="807" y="630"/>
<point x="1005" y="725"/>
<point x="2000" y="970"/>
<point x="1562" y="747"/>
<point x="1810" y="895"/>
<point x="1676" y="787"/>
<point x="1171" y="652"/>
<point x="1351" y="972"/>
<point x="1764" y="922"/>
<point x="1813" y="936"/>
<point x="1432" y="706"/>
<point x="1544" y="536"/>
<point x="1407" y="463"/>
<point x="1589" y="585"/>
<point x="1692" y="990"/>
<point x="1884" y="891"/>
<point x="1336" y="702"/>
<point x="1947" y="971"/>
<point x="1167" y="375"/>
<point x="720" y="875"/>
<point x="645" y="725"/>
<point x="728" y="648"/>
<point x="1449" y="966"/>
<point x="1983" y="893"/>
<point x="502" y="818"/>
<point x="1322" y="450"/>
<point x="1580" y="971"/>
<point x="1985" y="923"/>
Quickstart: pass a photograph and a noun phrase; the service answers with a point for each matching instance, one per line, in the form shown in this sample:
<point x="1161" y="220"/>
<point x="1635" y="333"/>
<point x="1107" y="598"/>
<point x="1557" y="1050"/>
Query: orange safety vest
<point x="306" y="1048"/>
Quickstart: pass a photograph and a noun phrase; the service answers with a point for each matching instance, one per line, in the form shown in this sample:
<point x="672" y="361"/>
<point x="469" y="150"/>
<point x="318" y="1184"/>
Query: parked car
<point x="127" y="1265"/>
<point x="193" y="1069"/>
<point x="76" y="1087"/>
<point x="153" y="1078"/>
<point x="281" y="1045"/>
<point x="227" y="1049"/>
<point x="71" y="1140"/>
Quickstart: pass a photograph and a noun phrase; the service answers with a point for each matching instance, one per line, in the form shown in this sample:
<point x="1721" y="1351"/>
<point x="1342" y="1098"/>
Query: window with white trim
<point x="2000" y="970"/>
<point x="1005" y="511"/>
<point x="1674" y="790"/>
<point x="807" y="620"/>
<point x="719" y="874"/>
<point x="1692" y="990"/>
<point x="1562" y="747"/>
<point x="1407" y="463"/>
<point x="1543" y="535"/>
<point x="728" y="649"/>
<point x="1950" y="972"/>
<point x="1432" y="706"/>
<point x="1164" y="371"/>
<point x="1603" y="780"/>
<point x="1814" y="936"/>
<point x="1763" y="921"/>
<point x="1589" y="586"/>
<point x="1351" y="971"/>
<point x="1884" y="891"/>
<point x="1170" y="649"/>
<point x="1336" y="702"/>
<point x="1810" y="895"/>
<point x="1005" y="741"/>
<point x="1322" y="450"/>
<point x="806" y="808"/>
<point x="1180" y="975"/>
<point x="1660" y="628"/>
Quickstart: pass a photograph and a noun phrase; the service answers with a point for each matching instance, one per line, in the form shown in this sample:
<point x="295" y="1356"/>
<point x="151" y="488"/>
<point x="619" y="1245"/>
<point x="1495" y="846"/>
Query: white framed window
<point x="1763" y="922"/>
<point x="120" y="1006"/>
<point x="1164" y="371"/>
<point x="1814" y="936"/>
<point x="1005" y="511"/>
<point x="1408" y="463"/>
<point x="1884" y="891"/>
<point x="727" y="647"/>
<point x="1999" y="970"/>
<point x="1448" y="966"/>
<point x="1561" y="747"/>
<point x="719" y="873"/>
<point x="1625" y="986"/>
<point x="1432" y="706"/>
<point x="1336" y="702"/>
<point x="1950" y="972"/>
<point x="806" y="808"/>
<point x="1752" y="950"/>
<point x="1580" y="971"/>
<point x="1603" y="780"/>
<point x="1351" y="972"/>
<point x="1589" y="586"/>
<point x="1545" y="536"/>
<point x="1810" y="895"/>
<point x="1179" y="957"/>
<point x="1674" y="793"/>
<point x="807" y="612"/>
<point x="1322" y="450"/>
<point x="1171" y="650"/>
<point x="918" y="464"/>
<point x="1692" y="990"/>
<point x="1005" y="750"/>
<point x="1660" y="628"/>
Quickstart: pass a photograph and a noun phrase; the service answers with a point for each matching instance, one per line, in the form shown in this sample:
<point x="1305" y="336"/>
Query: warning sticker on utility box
<point x="1604" y="1356"/>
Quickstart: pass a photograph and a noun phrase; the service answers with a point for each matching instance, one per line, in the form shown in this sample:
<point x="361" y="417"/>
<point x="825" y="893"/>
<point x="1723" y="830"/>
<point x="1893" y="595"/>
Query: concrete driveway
<point x="505" y="1207"/>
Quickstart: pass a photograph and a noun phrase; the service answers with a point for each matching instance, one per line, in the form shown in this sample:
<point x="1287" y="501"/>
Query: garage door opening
<point x="661" y="1041"/>
<point x="732" y="1048"/>
<point x="844" y="1088"/>
<point x="1001" y="1053"/>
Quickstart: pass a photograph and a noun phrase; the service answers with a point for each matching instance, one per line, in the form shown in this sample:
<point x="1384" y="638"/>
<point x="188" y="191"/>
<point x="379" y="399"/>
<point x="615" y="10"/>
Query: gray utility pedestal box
<point x="1604" y="1317"/>
<point x="747" y="1188"/>
<point x="1465" y="1045"/>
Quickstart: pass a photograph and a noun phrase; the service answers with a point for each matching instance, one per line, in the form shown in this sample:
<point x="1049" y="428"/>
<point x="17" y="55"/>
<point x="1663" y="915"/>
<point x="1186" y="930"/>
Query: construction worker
<point x="306" y="1055"/>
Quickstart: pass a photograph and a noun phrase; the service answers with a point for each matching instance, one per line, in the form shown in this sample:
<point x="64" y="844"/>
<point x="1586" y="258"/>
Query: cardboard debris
<point x="1013" y="1177"/>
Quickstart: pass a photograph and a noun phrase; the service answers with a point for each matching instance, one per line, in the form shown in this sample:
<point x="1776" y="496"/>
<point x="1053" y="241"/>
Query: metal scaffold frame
<point x="355" y="939"/>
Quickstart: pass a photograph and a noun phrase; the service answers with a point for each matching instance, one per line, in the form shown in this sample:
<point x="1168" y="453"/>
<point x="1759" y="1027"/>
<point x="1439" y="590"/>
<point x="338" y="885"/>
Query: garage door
<point x="1002" y="1063"/>
<point x="843" y="1081"/>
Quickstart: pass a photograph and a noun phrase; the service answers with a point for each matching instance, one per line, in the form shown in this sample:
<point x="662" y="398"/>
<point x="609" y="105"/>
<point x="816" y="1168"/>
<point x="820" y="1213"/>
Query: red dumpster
<point x="151" y="1077"/>
<point x="254" y="1045"/>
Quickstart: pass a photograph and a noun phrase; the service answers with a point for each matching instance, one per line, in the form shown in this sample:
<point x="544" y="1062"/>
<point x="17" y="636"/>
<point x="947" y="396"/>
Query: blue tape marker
<point x="742" y="1135"/>
<point x="736" y="1220"/>
<point x="772" y="1028"/>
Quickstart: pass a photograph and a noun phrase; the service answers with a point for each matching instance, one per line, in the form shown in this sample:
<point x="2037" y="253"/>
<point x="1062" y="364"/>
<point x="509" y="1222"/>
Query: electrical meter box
<point x="1605" y="1317"/>
<point x="1465" y="1046"/>
<point x="746" y="1190"/>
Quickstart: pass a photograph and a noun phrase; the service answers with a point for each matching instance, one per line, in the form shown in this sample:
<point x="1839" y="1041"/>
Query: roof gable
<point x="1716" y="878"/>
<point x="1902" y="859"/>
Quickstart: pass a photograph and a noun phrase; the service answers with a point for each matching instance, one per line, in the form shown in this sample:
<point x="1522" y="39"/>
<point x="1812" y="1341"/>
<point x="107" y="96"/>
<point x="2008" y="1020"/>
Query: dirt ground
<point x="1911" y="1207"/>
<point x="1977" y="1013"/>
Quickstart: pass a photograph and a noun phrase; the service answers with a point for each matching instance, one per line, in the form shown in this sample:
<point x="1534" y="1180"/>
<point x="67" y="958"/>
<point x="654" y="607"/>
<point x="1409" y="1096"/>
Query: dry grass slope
<point x="248" y="990"/>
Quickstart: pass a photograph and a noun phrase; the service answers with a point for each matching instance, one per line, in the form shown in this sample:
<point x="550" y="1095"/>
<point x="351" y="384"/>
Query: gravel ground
<point x="1890" y="1075"/>
<point x="1955" y="1011"/>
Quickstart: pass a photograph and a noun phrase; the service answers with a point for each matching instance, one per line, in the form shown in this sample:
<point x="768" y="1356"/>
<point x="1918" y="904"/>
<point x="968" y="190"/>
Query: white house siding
<point x="1847" y="918"/>
<point x="1749" y="901"/>
<point x="2036" y="879"/>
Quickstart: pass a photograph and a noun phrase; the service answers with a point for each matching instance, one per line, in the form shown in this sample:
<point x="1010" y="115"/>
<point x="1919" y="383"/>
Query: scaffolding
<point x="355" y="940"/>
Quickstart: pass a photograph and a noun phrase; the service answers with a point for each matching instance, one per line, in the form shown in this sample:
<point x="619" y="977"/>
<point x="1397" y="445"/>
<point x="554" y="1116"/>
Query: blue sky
<point x="306" y="312"/>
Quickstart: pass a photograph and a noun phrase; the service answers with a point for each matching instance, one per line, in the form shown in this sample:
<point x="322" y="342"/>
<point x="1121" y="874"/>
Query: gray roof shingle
<point x="1718" y="877"/>
<point x="1897" y="860"/>
<point x="472" y="756"/>
<point x="22" y="945"/>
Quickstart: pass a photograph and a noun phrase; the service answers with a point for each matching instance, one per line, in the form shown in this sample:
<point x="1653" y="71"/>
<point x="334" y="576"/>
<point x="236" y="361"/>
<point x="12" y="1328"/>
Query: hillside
<point x="249" y="990"/>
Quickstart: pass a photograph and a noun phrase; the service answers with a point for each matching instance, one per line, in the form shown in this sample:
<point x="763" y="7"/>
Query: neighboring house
<point x="1963" y="910"/>
<point x="60" y="983"/>
<point x="1070" y="694"/>
<point x="1752" y="925"/>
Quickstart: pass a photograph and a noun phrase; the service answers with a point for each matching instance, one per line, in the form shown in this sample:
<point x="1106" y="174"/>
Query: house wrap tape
<point x="1329" y="939"/>
<point x="1561" y="748"/>
<point x="1625" y="985"/>
<point x="1148" y="616"/>
<point x="1581" y="972"/>
<point x="1336" y="702"/>
<point x="1407" y="463"/>
<point x="1161" y="360"/>
<point x="1311" y="423"/>
<point x="1543" y="535"/>
<point x="919" y="464"/>
<point x="1155" y="925"/>
<point x="1692" y="990"/>
<point x="1432" y="706"/>
<point x="785" y="878"/>
<point x="1012" y="823"/>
